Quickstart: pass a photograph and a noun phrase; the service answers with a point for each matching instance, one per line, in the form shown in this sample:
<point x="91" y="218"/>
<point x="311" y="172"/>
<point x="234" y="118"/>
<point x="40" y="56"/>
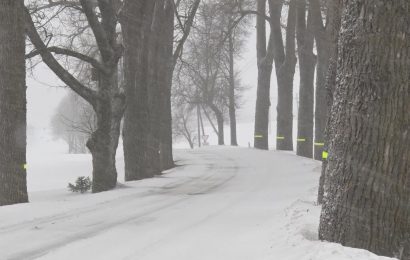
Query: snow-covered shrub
<point x="82" y="184"/>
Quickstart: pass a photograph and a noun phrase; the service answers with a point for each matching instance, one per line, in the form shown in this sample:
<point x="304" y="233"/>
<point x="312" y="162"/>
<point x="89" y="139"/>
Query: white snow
<point x="221" y="203"/>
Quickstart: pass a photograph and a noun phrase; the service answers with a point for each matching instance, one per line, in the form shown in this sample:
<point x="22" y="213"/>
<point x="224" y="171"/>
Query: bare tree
<point x="107" y="99"/>
<point x="174" y="39"/>
<point x="235" y="26"/>
<point x="182" y="123"/>
<point x="208" y="63"/>
<point x="13" y="184"/>
<point x="285" y="61"/>
<point x="148" y="28"/>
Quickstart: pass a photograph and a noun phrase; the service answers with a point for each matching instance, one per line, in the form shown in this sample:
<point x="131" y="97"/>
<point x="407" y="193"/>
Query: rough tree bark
<point x="13" y="187"/>
<point x="368" y="173"/>
<point x="103" y="143"/>
<point x="108" y="101"/>
<point x="334" y="20"/>
<point x="307" y="63"/>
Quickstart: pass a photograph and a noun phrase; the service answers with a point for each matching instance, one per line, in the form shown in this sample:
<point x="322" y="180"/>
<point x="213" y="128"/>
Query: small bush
<point x="82" y="184"/>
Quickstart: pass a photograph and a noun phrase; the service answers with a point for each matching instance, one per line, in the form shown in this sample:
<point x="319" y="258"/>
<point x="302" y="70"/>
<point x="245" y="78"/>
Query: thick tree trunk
<point x="324" y="35"/>
<point x="368" y="172"/>
<point x="136" y="24"/>
<point x="103" y="142"/>
<point x="232" y="106"/>
<point x="13" y="187"/>
<point x="261" y="140"/>
<point x="307" y="63"/>
<point x="167" y="160"/>
<point x="157" y="73"/>
<point x="285" y="74"/>
<point x="285" y="63"/>
<point x="321" y="106"/>
<point x="329" y="40"/>
<point x="262" y="107"/>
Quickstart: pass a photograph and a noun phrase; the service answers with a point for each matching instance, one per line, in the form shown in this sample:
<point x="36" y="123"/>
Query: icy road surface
<point x="219" y="204"/>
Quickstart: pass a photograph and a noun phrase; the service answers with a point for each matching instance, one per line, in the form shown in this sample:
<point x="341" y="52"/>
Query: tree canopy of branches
<point x="99" y="19"/>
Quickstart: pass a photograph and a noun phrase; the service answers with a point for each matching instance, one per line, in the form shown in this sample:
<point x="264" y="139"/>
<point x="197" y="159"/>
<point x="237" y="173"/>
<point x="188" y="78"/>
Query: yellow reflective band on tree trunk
<point x="319" y="144"/>
<point x="25" y="166"/>
<point x="325" y="155"/>
<point x="280" y="138"/>
<point x="258" y="136"/>
<point x="301" y="140"/>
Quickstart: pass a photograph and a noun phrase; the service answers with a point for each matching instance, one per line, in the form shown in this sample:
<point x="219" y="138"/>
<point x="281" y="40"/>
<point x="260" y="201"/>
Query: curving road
<point x="221" y="203"/>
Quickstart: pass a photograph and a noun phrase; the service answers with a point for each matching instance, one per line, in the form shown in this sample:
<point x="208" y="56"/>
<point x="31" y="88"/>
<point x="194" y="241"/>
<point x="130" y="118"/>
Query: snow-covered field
<point x="221" y="203"/>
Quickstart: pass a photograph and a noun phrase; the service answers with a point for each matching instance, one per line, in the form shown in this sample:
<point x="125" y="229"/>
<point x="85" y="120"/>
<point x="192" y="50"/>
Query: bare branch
<point x="62" y="51"/>
<point x="54" y="65"/>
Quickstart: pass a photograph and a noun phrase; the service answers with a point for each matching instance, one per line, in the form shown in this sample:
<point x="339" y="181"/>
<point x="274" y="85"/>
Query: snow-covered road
<point x="219" y="204"/>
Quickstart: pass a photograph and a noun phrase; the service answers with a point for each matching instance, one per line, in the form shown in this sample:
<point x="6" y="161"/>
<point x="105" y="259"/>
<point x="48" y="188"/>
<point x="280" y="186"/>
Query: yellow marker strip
<point x="25" y="166"/>
<point x="258" y="136"/>
<point x="325" y="155"/>
<point x="280" y="137"/>
<point x="301" y="140"/>
<point x="320" y="144"/>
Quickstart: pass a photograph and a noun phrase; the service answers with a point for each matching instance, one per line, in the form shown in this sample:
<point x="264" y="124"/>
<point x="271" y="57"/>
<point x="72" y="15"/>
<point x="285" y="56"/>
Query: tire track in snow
<point x="93" y="229"/>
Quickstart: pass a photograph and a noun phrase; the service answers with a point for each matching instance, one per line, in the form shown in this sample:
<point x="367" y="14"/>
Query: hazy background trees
<point x="206" y="72"/>
<point x="74" y="122"/>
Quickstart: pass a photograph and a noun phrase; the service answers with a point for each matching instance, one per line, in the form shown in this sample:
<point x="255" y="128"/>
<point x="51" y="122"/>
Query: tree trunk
<point x="220" y="121"/>
<point x="157" y="72"/>
<point x="103" y="142"/>
<point x="167" y="160"/>
<point x="107" y="100"/>
<point x="285" y="63"/>
<point x="307" y="63"/>
<point x="13" y="185"/>
<point x="368" y="173"/>
<point x="232" y="105"/>
<point x="261" y="140"/>
<point x="324" y="35"/>
<point x="262" y="107"/>
<point x="284" y="130"/>
<point x="329" y="81"/>
<point x="136" y="24"/>
<point x="321" y="106"/>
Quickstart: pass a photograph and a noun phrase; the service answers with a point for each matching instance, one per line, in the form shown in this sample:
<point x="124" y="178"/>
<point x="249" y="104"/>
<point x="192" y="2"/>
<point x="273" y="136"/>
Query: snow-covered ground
<point x="219" y="204"/>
